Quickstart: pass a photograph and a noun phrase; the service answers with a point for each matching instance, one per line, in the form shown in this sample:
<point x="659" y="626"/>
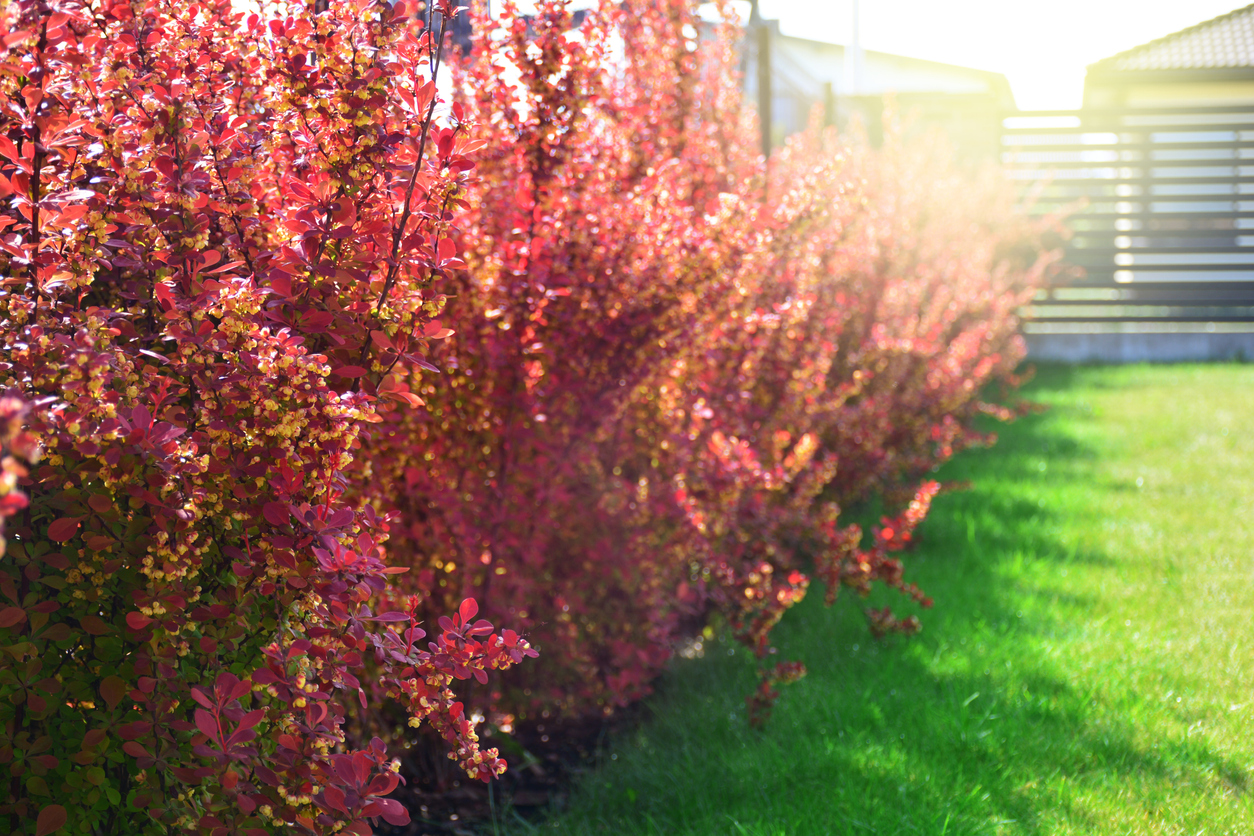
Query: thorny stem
<point x="407" y="211"/>
<point x="37" y="165"/>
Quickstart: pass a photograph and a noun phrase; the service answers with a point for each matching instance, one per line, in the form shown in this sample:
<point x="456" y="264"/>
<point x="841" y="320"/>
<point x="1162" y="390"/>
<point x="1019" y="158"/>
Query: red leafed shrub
<point x="222" y="243"/>
<point x="672" y="366"/>
<point x="761" y="701"/>
<point x="17" y="450"/>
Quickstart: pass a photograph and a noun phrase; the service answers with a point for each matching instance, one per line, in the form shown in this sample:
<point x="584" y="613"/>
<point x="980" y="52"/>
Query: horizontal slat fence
<point x="1162" y="217"/>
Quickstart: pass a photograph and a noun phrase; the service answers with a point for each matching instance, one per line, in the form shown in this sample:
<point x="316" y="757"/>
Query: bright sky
<point x="1042" y="47"/>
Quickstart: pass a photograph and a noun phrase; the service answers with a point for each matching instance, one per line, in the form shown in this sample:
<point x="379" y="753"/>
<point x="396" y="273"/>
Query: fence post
<point x="763" y="49"/>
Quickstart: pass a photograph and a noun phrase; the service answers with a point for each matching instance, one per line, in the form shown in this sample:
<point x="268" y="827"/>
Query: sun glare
<point x="1042" y="48"/>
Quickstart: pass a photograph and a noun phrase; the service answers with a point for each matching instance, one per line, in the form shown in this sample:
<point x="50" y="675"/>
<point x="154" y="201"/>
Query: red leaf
<point x="435" y="330"/>
<point x="134" y="749"/>
<point x="94" y="625"/>
<point x="51" y="819"/>
<point x="393" y="812"/>
<point x="207" y="724"/>
<point x="251" y="719"/>
<point x="383" y="784"/>
<point x="382" y="340"/>
<point x="11" y="503"/>
<point x="137" y="620"/>
<point x="344" y="768"/>
<point x="164" y="295"/>
<point x="405" y="397"/>
<point x="98" y="542"/>
<point x="467" y="610"/>
<point x="447" y="249"/>
<point x="335" y="799"/>
<point x="63" y="529"/>
<point x="112" y="689"/>
<point x="264" y="676"/>
<point x="349" y="371"/>
<point x="444" y="144"/>
<point x="11" y="616"/>
<point x="276" y="513"/>
<point x="388" y="617"/>
<point x="362" y="766"/>
<point x="236" y="688"/>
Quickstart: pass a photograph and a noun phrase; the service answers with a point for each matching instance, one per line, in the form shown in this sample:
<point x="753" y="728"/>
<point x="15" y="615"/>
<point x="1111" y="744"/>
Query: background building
<point x="1160" y="163"/>
<point x="804" y="73"/>
<point x="1207" y="65"/>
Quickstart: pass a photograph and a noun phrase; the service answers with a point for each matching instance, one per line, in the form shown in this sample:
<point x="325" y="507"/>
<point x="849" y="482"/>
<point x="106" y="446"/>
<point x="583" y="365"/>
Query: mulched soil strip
<point x="544" y="757"/>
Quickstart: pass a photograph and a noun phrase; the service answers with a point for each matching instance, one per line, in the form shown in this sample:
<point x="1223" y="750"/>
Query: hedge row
<point x="298" y="365"/>
<point x="674" y="365"/>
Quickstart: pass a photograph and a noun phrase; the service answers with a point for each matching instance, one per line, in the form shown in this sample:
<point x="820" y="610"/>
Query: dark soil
<point x="544" y="757"/>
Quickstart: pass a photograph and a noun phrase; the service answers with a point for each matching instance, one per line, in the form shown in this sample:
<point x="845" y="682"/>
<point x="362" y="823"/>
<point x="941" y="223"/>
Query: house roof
<point x="1222" y="43"/>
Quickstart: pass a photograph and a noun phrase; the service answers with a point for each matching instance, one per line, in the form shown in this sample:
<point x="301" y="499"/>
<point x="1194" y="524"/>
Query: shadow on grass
<point x="980" y="722"/>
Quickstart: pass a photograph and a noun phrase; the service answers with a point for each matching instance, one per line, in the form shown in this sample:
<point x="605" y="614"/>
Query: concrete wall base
<point x="1140" y="348"/>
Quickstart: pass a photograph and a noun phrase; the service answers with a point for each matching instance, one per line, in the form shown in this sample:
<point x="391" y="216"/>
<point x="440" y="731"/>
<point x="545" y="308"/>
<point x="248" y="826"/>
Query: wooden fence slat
<point x="1118" y="163"/>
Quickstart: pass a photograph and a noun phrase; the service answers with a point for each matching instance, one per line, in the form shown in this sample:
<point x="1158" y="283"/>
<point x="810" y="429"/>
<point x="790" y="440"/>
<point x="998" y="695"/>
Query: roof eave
<point x="1192" y="75"/>
<point x="991" y="75"/>
<point x="1197" y="27"/>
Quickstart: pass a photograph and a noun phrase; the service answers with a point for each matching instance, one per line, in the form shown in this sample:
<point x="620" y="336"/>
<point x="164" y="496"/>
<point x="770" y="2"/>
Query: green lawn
<point x="1087" y="667"/>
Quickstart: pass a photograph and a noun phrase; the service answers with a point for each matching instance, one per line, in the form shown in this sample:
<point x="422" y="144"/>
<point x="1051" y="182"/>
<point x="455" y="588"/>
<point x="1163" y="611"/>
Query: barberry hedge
<point x="673" y="364"/>
<point x="221" y="236"/>
<point x="295" y="364"/>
